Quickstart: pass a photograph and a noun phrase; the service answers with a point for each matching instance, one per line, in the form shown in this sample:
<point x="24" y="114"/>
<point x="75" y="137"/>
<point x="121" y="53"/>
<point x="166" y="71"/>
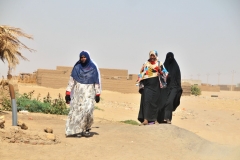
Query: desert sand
<point x="203" y="127"/>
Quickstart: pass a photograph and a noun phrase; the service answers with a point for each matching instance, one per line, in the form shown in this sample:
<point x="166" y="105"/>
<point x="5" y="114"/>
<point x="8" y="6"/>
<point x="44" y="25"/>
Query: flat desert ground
<point x="203" y="128"/>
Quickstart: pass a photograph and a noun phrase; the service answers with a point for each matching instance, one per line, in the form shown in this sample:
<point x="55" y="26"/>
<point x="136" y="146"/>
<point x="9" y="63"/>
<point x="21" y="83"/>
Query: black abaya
<point x="170" y="96"/>
<point x="149" y="100"/>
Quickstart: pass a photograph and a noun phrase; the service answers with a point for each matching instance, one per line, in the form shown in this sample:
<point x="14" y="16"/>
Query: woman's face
<point x="83" y="59"/>
<point x="152" y="58"/>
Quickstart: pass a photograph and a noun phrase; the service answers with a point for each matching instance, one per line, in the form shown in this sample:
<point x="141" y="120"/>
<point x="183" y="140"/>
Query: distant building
<point x="192" y="81"/>
<point x="111" y="79"/>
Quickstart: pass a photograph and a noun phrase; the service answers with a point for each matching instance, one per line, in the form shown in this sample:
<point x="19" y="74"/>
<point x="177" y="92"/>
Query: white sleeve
<point x="70" y="84"/>
<point x="98" y="88"/>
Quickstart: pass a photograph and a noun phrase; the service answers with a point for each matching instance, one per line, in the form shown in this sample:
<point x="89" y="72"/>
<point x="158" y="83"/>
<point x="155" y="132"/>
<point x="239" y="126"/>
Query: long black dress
<point x="170" y="96"/>
<point x="149" y="100"/>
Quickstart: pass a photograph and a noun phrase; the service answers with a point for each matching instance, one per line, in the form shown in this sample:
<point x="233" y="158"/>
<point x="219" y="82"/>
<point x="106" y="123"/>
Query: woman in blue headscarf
<point x="83" y="88"/>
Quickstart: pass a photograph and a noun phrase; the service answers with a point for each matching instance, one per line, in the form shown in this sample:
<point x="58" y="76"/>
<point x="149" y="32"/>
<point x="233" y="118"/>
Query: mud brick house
<point x="112" y="79"/>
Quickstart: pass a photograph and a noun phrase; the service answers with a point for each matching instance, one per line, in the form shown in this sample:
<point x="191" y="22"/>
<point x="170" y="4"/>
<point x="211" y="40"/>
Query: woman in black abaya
<point x="170" y="96"/>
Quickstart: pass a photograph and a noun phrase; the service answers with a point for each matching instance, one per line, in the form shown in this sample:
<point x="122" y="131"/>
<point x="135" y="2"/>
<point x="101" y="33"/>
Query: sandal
<point x="143" y="124"/>
<point x="168" y="121"/>
<point x="73" y="135"/>
<point x="87" y="133"/>
<point x="150" y="123"/>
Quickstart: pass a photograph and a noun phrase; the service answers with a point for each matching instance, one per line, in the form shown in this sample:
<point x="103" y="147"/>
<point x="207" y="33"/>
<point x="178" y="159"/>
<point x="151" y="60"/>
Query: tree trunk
<point x="9" y="70"/>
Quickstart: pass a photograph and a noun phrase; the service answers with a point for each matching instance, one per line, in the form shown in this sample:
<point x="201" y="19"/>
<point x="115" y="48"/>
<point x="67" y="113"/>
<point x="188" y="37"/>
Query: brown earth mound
<point x="17" y="135"/>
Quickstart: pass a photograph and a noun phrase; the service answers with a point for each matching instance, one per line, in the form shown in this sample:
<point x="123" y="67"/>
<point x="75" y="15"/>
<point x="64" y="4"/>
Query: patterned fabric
<point x="163" y="79"/>
<point x="72" y="82"/>
<point x="153" y="69"/>
<point x="80" y="117"/>
<point x="149" y="70"/>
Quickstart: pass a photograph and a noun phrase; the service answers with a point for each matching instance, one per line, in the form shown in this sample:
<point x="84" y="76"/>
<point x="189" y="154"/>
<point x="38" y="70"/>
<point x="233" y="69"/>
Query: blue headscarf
<point x="85" y="73"/>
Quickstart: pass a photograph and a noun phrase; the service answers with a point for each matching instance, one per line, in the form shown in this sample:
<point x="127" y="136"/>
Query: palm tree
<point x="10" y="46"/>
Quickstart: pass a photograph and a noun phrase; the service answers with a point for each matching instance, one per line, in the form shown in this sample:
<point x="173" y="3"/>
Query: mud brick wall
<point x="112" y="79"/>
<point x="41" y="72"/>
<point x="225" y="87"/>
<point x="186" y="87"/>
<point x="221" y="88"/>
<point x="133" y="77"/>
<point x="52" y="78"/>
<point x="66" y="70"/>
<point x="123" y="86"/>
<point x="236" y="88"/>
<point x="105" y="73"/>
<point x="27" y="78"/>
<point x="116" y="80"/>
<point x="210" y="88"/>
<point x="228" y="87"/>
<point x="56" y="81"/>
<point x="114" y="73"/>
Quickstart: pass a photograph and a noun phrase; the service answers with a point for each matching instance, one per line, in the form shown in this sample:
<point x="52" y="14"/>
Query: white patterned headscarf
<point x="155" y="53"/>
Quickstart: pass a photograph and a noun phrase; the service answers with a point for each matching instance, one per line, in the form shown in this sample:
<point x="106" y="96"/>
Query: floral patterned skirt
<point x="80" y="117"/>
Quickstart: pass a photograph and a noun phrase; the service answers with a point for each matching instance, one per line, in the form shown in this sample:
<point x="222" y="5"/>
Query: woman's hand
<point x="67" y="97"/>
<point x="97" y="98"/>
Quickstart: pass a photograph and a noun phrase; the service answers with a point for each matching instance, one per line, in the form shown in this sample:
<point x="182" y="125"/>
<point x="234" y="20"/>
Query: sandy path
<point x="213" y="118"/>
<point x="112" y="140"/>
<point x="203" y="128"/>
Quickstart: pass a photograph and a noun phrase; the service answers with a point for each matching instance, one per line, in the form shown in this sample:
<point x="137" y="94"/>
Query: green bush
<point x="195" y="90"/>
<point x="25" y="102"/>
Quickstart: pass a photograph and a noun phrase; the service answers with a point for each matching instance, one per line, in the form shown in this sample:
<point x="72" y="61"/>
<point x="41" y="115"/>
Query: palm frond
<point x="15" y="31"/>
<point x="10" y="45"/>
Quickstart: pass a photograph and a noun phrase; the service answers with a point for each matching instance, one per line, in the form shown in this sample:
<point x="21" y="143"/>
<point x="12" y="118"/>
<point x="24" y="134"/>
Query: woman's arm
<point x="70" y="85"/>
<point x="97" y="82"/>
<point x="160" y="67"/>
<point x="99" y="75"/>
<point x="97" y="89"/>
<point x="97" y="86"/>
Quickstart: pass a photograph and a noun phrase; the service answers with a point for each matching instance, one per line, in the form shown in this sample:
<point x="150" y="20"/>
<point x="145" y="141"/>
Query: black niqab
<point x="174" y="71"/>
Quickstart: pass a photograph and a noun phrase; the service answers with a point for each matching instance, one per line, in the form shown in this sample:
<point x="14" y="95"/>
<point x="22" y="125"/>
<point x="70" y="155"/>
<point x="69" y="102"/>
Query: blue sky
<point x="204" y="35"/>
